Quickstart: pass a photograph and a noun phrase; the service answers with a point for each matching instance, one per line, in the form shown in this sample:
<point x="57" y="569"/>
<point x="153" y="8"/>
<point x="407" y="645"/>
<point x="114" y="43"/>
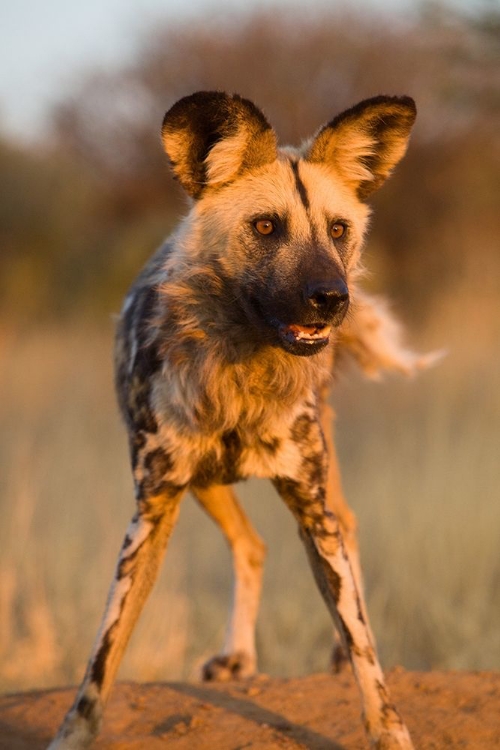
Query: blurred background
<point x="86" y="196"/>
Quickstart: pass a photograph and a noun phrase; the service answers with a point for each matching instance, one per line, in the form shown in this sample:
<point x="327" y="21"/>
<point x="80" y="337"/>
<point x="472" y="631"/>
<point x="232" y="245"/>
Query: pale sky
<point x="44" y="44"/>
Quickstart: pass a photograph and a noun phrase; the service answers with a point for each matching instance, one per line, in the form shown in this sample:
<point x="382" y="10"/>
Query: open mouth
<point x="296" y="338"/>
<point x="310" y="334"/>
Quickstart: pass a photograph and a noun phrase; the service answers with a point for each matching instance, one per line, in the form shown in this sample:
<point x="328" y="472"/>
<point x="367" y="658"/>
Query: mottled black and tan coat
<point x="225" y="349"/>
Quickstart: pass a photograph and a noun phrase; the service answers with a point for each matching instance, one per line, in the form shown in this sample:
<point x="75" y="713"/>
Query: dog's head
<point x="283" y="227"/>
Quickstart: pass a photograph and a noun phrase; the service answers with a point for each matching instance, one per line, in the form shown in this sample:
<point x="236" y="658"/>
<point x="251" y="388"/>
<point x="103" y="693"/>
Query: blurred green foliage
<point x="81" y="211"/>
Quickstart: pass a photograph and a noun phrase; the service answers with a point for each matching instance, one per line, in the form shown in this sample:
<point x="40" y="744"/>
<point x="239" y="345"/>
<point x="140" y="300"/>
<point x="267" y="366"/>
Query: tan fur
<point x="225" y="350"/>
<point x="216" y="392"/>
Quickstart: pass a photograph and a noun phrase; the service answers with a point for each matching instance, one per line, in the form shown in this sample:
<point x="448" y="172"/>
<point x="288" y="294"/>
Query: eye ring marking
<point x="264" y="226"/>
<point x="337" y="230"/>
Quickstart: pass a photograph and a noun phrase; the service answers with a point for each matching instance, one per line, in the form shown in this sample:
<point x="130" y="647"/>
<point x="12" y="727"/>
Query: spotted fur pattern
<point x="224" y="353"/>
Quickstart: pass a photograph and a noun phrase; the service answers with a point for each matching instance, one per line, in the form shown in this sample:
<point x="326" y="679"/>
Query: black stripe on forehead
<point x="301" y="188"/>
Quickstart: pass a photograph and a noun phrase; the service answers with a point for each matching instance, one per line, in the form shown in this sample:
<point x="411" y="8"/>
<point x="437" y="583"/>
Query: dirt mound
<point x="442" y="710"/>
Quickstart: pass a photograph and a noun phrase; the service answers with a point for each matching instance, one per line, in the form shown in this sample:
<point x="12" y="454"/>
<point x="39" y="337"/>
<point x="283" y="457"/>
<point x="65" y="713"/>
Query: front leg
<point x="336" y="503"/>
<point x="305" y="494"/>
<point x="138" y="564"/>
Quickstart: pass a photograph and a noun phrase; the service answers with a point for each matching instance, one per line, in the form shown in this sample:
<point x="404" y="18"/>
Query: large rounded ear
<point x="211" y="137"/>
<point x="364" y="143"/>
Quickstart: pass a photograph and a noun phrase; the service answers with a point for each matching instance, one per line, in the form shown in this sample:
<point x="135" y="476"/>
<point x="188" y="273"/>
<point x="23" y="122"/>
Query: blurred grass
<point x="78" y="213"/>
<point x="420" y="466"/>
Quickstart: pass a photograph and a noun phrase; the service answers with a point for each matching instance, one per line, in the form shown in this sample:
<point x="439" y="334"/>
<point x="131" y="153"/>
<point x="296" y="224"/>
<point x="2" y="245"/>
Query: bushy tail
<point x="373" y="338"/>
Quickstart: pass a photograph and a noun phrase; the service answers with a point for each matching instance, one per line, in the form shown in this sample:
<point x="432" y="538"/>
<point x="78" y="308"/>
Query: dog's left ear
<point x="364" y="143"/>
<point x="211" y="137"/>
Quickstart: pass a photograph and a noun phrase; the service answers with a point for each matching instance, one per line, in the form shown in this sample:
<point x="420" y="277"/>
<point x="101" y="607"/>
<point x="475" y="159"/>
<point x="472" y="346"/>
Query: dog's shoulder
<point x="137" y="355"/>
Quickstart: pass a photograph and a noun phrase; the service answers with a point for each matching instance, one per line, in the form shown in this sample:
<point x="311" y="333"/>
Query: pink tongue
<point x="302" y="329"/>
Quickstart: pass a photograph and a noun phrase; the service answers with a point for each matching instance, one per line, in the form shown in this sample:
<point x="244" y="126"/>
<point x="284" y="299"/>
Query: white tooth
<point x="310" y="336"/>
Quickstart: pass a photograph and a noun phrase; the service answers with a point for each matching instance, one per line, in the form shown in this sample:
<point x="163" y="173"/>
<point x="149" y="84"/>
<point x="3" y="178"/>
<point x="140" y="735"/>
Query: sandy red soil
<point x="442" y="709"/>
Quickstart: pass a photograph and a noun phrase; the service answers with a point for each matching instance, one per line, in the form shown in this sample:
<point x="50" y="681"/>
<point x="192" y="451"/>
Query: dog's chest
<point x="224" y="458"/>
<point x="234" y="457"/>
<point x="220" y="464"/>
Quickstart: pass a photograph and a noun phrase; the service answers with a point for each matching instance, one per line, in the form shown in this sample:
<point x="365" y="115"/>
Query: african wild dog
<point x="225" y="349"/>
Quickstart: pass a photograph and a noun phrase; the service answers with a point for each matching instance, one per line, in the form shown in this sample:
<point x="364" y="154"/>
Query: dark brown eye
<point x="337" y="230"/>
<point x="264" y="226"/>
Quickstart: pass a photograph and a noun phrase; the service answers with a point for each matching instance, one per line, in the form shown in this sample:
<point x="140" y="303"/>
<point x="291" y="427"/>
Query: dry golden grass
<point x="421" y="470"/>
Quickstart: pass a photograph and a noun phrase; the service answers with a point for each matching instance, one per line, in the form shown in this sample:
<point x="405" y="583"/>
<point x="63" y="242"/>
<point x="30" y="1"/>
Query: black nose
<point x="330" y="297"/>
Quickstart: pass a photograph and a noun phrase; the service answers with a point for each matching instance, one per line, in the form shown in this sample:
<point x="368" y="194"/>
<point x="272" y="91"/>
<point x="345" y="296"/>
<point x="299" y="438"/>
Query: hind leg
<point x="238" y="657"/>
<point x="335" y="502"/>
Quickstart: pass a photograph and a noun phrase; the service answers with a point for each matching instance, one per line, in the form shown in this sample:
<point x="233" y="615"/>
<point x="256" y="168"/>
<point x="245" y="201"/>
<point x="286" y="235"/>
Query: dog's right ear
<point x="211" y="137"/>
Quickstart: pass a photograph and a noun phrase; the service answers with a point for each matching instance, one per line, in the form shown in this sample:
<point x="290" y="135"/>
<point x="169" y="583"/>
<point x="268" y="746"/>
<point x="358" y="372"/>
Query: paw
<point x="69" y="739"/>
<point x="396" y="740"/>
<point x="227" y="667"/>
<point x="80" y="727"/>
